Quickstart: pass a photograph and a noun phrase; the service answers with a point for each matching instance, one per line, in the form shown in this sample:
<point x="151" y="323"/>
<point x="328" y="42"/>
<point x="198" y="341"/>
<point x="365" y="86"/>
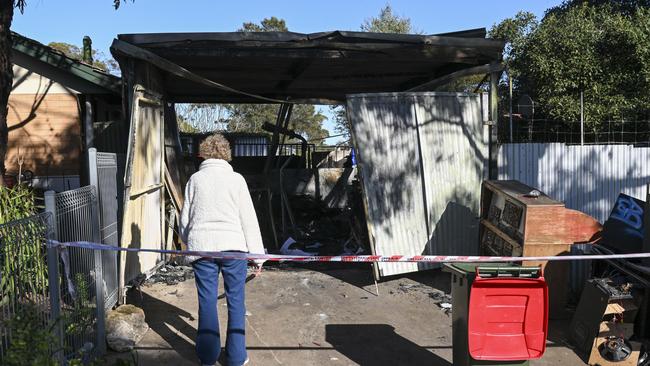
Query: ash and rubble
<point x="321" y="230"/>
<point x="176" y="271"/>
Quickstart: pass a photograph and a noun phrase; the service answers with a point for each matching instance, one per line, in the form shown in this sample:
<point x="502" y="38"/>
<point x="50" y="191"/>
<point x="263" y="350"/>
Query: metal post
<point x="92" y="168"/>
<point x="99" y="274"/>
<point x="582" y="119"/>
<point x="493" y="172"/>
<point x="510" y="95"/>
<point x="646" y="225"/>
<point x="50" y="207"/>
<point x="88" y="122"/>
<point x="93" y="180"/>
<point x="645" y="308"/>
<point x="53" y="278"/>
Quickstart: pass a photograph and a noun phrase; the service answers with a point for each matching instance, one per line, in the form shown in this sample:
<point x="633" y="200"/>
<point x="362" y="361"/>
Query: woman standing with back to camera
<point x="218" y="215"/>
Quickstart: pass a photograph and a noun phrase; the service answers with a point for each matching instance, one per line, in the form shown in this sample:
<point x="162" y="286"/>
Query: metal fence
<point x="61" y="291"/>
<point x="103" y="175"/>
<point x="585" y="178"/>
<point x="571" y="132"/>
<point x="24" y="285"/>
<point x="75" y="216"/>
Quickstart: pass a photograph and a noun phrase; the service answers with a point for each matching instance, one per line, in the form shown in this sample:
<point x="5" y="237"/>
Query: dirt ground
<point x="322" y="317"/>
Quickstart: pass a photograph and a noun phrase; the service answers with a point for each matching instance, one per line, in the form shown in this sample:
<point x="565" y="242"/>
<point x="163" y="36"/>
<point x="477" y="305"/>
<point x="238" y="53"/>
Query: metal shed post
<point x="493" y="172"/>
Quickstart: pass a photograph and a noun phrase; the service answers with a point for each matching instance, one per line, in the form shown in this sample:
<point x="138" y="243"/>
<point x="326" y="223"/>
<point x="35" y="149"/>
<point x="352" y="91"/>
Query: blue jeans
<point x="208" y="340"/>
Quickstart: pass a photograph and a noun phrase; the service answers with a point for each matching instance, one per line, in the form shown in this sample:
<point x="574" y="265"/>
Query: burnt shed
<point x="161" y="69"/>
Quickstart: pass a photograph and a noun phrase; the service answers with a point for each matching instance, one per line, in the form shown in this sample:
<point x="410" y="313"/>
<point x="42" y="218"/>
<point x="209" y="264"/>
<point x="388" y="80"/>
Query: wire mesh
<point x="569" y="132"/>
<point x="24" y="276"/>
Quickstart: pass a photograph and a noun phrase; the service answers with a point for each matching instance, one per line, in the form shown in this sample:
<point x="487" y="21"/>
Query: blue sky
<point x="70" y="20"/>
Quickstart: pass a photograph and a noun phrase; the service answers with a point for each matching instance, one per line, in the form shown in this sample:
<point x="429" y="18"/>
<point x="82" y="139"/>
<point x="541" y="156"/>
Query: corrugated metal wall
<point x="421" y="158"/>
<point x="586" y="178"/>
<point x="250" y="146"/>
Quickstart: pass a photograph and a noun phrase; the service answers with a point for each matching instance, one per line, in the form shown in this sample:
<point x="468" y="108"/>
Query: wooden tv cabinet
<point x="515" y="223"/>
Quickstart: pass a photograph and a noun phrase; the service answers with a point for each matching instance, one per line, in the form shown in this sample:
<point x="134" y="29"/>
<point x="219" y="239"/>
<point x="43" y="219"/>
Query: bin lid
<point x="508" y="318"/>
<point x="470" y="267"/>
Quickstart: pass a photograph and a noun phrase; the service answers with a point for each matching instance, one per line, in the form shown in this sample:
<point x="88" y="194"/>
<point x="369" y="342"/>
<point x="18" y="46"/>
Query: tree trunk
<point x="6" y="77"/>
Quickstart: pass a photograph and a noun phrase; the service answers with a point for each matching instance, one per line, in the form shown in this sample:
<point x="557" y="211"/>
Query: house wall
<point x="27" y="81"/>
<point x="44" y="127"/>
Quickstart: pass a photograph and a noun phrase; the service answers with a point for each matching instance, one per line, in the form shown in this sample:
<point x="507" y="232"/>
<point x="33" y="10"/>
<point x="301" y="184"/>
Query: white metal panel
<point x="142" y="226"/>
<point x="421" y="159"/>
<point x="454" y="151"/>
<point x="586" y="178"/>
<point x="386" y="134"/>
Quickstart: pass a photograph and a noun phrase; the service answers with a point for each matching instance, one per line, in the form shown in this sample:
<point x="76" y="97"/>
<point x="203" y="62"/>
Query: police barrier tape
<point x="345" y="258"/>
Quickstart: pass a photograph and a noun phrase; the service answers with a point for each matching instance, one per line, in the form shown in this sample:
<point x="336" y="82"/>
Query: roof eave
<point x="29" y="47"/>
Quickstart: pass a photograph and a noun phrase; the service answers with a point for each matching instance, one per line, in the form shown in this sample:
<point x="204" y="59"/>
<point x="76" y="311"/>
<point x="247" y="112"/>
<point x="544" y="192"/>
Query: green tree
<point x="626" y="7"/>
<point x="6" y="71"/>
<point x="514" y="31"/>
<point x="271" y="24"/>
<point x="100" y="60"/>
<point x="186" y="127"/>
<point x="201" y="117"/>
<point x="599" y="48"/>
<point x="305" y="119"/>
<point x="388" y="22"/>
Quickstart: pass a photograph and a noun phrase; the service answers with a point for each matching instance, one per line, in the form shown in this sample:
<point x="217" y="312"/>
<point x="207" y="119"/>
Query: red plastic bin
<point x="508" y="318"/>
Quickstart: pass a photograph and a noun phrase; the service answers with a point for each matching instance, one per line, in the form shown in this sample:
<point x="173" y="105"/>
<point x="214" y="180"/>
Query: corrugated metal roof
<point x="422" y="159"/>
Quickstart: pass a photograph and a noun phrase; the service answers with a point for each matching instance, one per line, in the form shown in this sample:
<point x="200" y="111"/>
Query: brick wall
<point x="47" y="132"/>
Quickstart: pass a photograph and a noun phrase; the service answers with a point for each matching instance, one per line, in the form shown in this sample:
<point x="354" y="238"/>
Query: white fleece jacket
<point x="218" y="214"/>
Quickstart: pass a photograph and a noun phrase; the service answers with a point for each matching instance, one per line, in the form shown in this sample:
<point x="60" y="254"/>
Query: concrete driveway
<point x="322" y="317"/>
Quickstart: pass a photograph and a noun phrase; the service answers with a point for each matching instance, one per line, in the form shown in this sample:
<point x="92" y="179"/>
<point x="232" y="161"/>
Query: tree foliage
<point x="625" y="7"/>
<point x="515" y="32"/>
<point x="600" y="48"/>
<point x="388" y="22"/>
<point x="305" y="119"/>
<point x="201" y="117"/>
<point x="271" y="24"/>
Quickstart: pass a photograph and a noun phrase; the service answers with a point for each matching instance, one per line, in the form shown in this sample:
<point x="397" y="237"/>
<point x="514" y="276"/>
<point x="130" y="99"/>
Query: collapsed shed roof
<point x="316" y="68"/>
